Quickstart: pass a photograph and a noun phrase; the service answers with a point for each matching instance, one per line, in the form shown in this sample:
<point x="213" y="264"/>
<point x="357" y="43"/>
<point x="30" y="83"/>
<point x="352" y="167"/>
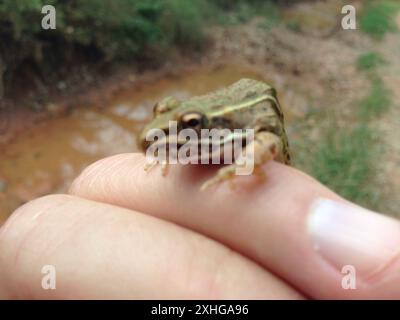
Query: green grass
<point x="379" y="97"/>
<point x="377" y="17"/>
<point x="293" y="26"/>
<point x="344" y="162"/>
<point x="376" y="102"/>
<point x="369" y="61"/>
<point x="344" y="158"/>
<point x="244" y="10"/>
<point x="109" y="30"/>
<point x="184" y="22"/>
<point x="93" y="31"/>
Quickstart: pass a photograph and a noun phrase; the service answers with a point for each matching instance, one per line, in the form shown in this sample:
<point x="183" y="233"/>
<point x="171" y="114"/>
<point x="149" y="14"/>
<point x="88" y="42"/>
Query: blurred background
<point x="83" y="91"/>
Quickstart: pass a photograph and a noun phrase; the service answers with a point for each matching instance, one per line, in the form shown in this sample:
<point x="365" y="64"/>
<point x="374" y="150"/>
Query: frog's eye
<point x="193" y="120"/>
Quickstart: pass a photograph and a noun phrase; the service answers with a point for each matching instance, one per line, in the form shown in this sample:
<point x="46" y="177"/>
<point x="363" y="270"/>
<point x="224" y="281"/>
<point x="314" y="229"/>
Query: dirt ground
<point x="389" y="124"/>
<point x="311" y="70"/>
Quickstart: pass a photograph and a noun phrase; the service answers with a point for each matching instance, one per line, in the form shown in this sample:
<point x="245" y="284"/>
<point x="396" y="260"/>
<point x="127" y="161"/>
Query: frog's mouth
<point x="204" y="147"/>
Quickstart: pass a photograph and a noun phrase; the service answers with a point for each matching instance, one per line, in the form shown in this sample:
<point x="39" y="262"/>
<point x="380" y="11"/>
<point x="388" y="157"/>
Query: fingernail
<point x="346" y="234"/>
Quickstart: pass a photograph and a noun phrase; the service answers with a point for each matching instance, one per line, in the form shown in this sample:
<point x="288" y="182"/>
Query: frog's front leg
<point x="265" y="146"/>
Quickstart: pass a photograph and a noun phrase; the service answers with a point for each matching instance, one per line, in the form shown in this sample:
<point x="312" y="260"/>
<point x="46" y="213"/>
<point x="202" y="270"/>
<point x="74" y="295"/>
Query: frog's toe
<point x="149" y="165"/>
<point x="164" y="168"/>
<point x="223" y="174"/>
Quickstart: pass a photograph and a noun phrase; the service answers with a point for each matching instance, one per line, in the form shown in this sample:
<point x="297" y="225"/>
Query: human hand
<point x="125" y="233"/>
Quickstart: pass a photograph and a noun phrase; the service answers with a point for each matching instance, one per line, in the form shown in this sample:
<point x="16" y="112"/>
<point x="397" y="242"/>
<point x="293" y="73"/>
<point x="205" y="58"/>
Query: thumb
<point x="364" y="245"/>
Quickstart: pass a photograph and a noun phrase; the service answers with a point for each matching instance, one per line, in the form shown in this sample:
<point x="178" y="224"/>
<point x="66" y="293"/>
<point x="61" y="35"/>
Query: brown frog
<point x="246" y="104"/>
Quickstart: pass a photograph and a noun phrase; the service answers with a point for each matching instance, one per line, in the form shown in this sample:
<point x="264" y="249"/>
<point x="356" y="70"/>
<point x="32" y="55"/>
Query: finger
<point x="275" y="223"/>
<point x="100" y="251"/>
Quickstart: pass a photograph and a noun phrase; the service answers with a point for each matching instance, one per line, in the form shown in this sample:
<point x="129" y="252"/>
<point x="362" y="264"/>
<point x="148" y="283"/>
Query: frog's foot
<point x="151" y="164"/>
<point x="265" y="147"/>
<point x="223" y="174"/>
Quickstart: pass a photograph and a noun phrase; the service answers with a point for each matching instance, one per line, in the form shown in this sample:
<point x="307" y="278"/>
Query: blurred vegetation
<point x="379" y="97"/>
<point x="377" y="101"/>
<point x="110" y="30"/>
<point x="369" y="61"/>
<point x="94" y="30"/>
<point x="377" y="17"/>
<point x="345" y="157"/>
<point x="344" y="161"/>
<point x="243" y="11"/>
<point x="115" y="29"/>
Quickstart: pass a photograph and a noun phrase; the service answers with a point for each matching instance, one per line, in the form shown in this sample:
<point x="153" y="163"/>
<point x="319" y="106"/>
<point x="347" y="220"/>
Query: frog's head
<point x="171" y="109"/>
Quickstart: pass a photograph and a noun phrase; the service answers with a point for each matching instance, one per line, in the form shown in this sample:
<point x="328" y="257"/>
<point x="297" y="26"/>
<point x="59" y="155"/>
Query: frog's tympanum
<point x="246" y="104"/>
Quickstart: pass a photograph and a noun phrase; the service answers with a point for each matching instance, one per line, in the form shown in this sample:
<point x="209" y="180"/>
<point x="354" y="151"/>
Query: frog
<point x="245" y="104"/>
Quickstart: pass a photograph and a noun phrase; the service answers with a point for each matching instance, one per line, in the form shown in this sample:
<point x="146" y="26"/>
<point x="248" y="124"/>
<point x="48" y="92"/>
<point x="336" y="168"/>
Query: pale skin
<point x="112" y="237"/>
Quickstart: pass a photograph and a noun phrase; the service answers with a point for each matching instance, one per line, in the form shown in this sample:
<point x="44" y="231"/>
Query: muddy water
<point x="47" y="158"/>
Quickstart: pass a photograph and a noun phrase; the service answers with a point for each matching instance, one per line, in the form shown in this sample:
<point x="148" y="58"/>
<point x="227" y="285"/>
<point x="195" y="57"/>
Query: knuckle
<point x="23" y="242"/>
<point x="26" y="217"/>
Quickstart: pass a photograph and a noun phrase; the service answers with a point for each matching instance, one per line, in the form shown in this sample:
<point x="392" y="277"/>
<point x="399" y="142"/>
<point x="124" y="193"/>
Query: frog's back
<point x="239" y="92"/>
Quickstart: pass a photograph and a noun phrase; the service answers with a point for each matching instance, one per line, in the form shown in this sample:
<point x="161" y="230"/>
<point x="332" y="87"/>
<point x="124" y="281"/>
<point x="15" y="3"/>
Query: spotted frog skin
<point x="246" y="104"/>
